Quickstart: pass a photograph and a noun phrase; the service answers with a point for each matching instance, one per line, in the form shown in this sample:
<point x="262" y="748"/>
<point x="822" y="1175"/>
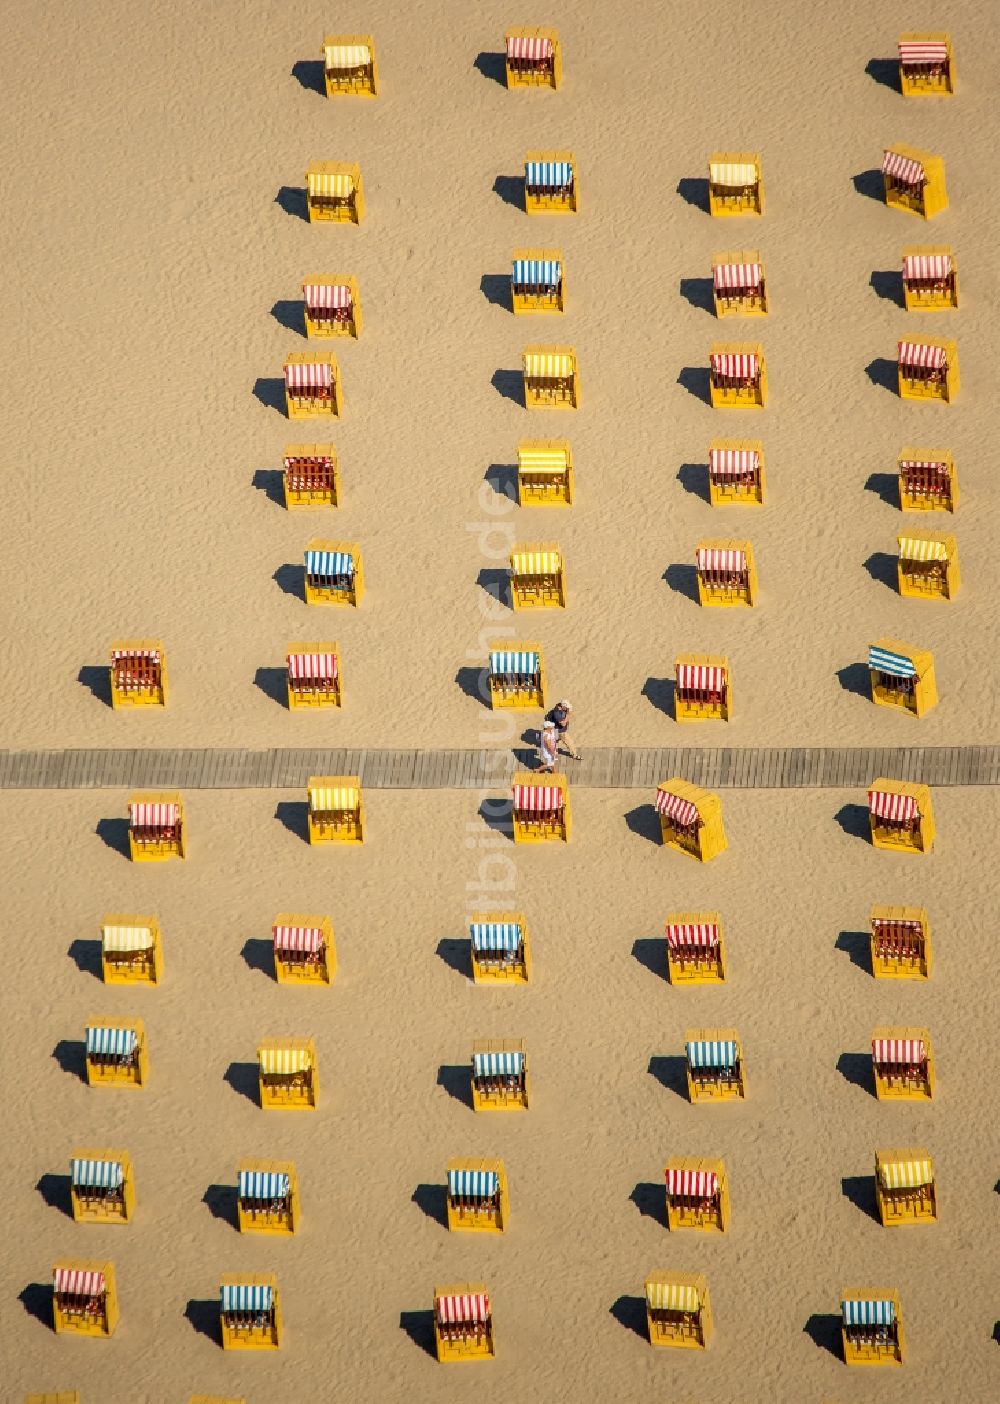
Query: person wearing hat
<point x="548" y="748"/>
<point x="560" y="719"/>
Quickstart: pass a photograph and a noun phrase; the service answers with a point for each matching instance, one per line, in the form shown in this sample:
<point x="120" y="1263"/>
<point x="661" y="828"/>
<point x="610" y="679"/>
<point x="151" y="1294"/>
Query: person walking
<point x="548" y="748"/>
<point x="560" y="717"/>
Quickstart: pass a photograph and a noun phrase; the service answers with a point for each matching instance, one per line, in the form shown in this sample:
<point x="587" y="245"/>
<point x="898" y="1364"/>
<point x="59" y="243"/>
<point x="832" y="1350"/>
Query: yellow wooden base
<point x="899" y="1208"/>
<point x="156" y="852"/>
<point x="344" y="829"/>
<point x="472" y="1347"/>
<point x="279" y="1093"/>
<point x="714" y="1089"/>
<point x="499" y="1101"/>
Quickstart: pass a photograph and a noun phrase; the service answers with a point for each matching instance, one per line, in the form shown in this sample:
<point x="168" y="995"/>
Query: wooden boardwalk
<point x="618" y="768"/>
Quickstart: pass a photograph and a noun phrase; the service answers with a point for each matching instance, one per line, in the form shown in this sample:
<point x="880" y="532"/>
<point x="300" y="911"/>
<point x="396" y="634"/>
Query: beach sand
<point x="157" y="243"/>
<point x="604" y="1033"/>
<point x="160" y="286"/>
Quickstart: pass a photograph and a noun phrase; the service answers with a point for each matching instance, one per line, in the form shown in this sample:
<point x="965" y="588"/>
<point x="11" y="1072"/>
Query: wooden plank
<point x="490" y="769"/>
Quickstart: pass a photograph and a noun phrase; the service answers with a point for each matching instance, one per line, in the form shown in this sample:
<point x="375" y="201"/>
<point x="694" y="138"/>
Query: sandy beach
<point x="604" y="1031"/>
<point x="157" y="241"/>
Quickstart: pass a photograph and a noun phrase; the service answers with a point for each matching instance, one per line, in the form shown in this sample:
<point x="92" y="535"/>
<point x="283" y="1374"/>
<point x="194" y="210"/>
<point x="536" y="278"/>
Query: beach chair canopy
<point x="96" y="1174"/>
<point x="335" y="185"/>
<point x="895" y="939"/>
<point x="704" y="934"/>
<point x="310" y="375"/>
<point x="548" y="365"/>
<point x="111" y="1043"/>
<point x="536" y="562"/>
<point x="153" y="816"/>
<point x="548" y="175"/>
<point x="923" y="465"/>
<point x="306" y="460"/>
<point x="128" y="655"/>
<point x="929" y="268"/>
<point x="310" y="666"/>
<point x="892" y="924"/>
<point x="917" y="548"/>
<point x="537" y="799"/>
<point x="532" y="49"/>
<point x="905" y="1174"/>
<point x="326" y="297"/>
<point x="731" y="276"/>
<point x="903" y="169"/>
<point x="732" y="463"/>
<point x="922" y="355"/>
<point x="672" y="1296"/>
<point x="281" y="1062"/>
<point x="324" y="798"/>
<point x="125" y="940"/>
<point x="77" y="1282"/>
<point x="496" y="935"/>
<point x="308" y="939"/>
<point x="472" y="1184"/>
<point x="895" y="808"/>
<point x="536" y="272"/>
<point x="246" y="1297"/>
<point x="868" y="1312"/>
<point x="681" y="811"/>
<point x="262" y="1184"/>
<point x="898" y="1050"/>
<point x="347" y="55"/>
<point x="882" y="660"/>
<point x="697" y="677"/>
<point x="692" y="1184"/>
<point x="711" y="559"/>
<point x="329" y="563"/>
<point x="735" y="366"/>
<point x="732" y="174"/>
<point x="712" y="1053"/>
<point x="914" y="52"/>
<point x="506" y="664"/>
<point x="498" y="1064"/>
<point x="543" y="460"/>
<point x="454" y="1310"/>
